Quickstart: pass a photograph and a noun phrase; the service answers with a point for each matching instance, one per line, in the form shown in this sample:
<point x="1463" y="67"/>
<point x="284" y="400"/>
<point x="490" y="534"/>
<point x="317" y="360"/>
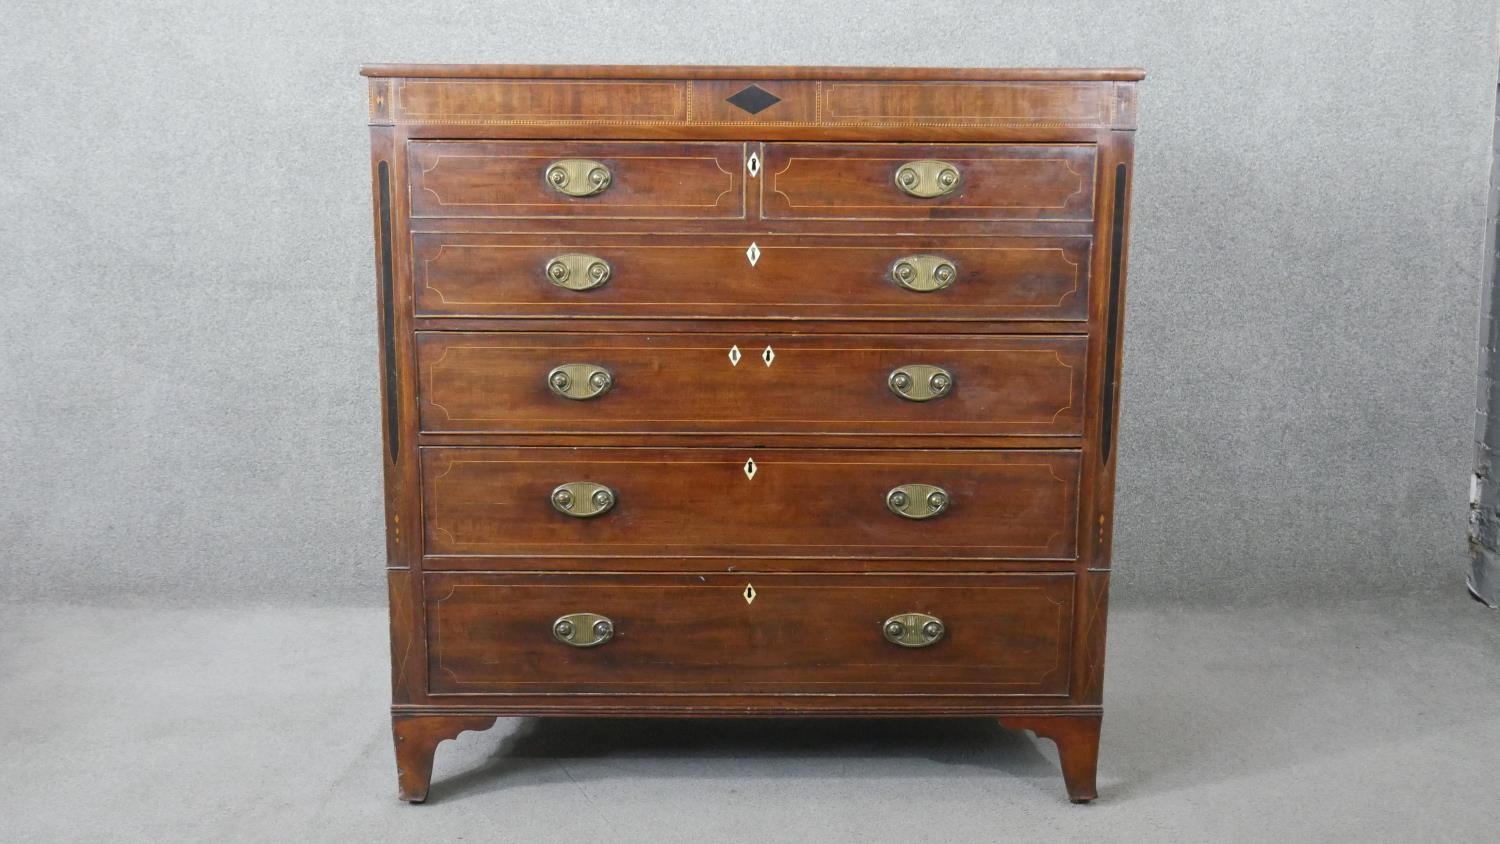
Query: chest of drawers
<point x="715" y="391"/>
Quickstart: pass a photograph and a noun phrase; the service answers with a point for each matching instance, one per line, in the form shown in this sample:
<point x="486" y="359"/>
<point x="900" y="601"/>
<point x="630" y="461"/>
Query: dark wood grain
<point x="505" y="179"/>
<point x="830" y="277"/>
<point x="814" y="384"/>
<point x="393" y="308"/>
<point x="997" y="182"/>
<point x="417" y="738"/>
<point x="479" y="562"/>
<point x="819" y="634"/>
<point x="1077" y="740"/>
<point x="800" y="502"/>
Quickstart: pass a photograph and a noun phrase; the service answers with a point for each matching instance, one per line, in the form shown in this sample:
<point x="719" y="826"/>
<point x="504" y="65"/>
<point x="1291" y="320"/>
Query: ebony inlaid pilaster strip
<point x="1112" y="327"/>
<point x="388" y="314"/>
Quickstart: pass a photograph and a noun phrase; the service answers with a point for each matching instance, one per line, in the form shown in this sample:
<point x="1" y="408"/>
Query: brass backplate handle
<point x="580" y="381"/>
<point x="913" y="629"/>
<point x="917" y="501"/>
<point x="583" y="499"/>
<point x="920" y="382"/>
<point x="923" y="273"/>
<point x="583" y="629"/>
<point x="926" y="179"/>
<point x="577" y="177"/>
<point x="575" y="271"/>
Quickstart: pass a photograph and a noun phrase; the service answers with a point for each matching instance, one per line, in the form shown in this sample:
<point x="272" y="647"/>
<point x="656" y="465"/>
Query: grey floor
<point x="1361" y="722"/>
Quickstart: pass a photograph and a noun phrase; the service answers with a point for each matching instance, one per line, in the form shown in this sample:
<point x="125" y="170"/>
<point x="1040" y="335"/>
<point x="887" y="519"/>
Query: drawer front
<point x="1007" y="634"/>
<point x="1005" y="278"/>
<point x="994" y="182"/>
<point x="751" y="502"/>
<point x="510" y="179"/>
<point x="751" y="384"/>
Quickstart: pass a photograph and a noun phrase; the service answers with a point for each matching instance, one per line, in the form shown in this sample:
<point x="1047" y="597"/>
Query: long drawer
<point x="1008" y="634"/>
<point x="751" y="384"/>
<point x="633" y="502"/>
<point x="750" y="276"/>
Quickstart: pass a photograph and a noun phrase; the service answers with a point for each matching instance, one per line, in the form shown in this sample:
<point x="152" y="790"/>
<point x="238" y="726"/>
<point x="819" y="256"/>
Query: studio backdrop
<point x="189" y="367"/>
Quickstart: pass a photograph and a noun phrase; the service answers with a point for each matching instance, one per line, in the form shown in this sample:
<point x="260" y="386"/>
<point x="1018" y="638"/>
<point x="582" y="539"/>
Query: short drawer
<point x="928" y="182"/>
<point x="628" y="180"/>
<point x="750" y="276"/>
<point x="1004" y="634"/>
<point x="785" y="502"/>
<point x="751" y="384"/>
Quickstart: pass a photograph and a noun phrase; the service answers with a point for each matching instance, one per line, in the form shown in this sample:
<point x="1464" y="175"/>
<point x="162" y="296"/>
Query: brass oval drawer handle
<point x="575" y="271"/>
<point x="913" y="629"/>
<point x="583" y="629"/>
<point x="578" y="177"/>
<point x="920" y="382"/>
<point x="917" y="501"/>
<point x="580" y="381"/>
<point x="927" y="178"/>
<point x="583" y="499"/>
<point x="923" y="273"/>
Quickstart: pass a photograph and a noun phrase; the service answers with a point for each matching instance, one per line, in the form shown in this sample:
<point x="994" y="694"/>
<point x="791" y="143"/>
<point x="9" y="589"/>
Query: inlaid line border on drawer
<point x="1079" y="279"/>
<point x="586" y="345"/>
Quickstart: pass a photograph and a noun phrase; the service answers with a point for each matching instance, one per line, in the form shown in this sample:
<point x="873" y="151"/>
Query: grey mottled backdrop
<point x="188" y="404"/>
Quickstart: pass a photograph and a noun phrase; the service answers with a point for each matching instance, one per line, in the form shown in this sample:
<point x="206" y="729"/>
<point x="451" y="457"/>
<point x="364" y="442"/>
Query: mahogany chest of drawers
<point x="734" y="391"/>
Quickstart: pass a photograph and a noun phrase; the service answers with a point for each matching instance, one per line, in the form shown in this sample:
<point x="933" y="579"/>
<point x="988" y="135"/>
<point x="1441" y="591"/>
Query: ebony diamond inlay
<point x="753" y="99"/>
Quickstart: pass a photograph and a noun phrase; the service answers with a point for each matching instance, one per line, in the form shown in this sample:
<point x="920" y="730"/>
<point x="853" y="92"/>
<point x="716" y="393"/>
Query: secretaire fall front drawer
<point x="751" y="276"/>
<point x="633" y="502"/>
<point x="752" y="383"/>
<point x="1004" y="634"/>
<point x="615" y="179"/>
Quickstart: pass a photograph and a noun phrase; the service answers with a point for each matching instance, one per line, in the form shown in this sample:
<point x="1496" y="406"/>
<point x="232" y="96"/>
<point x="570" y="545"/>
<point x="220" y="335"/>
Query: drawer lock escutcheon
<point x="578" y="272"/>
<point x="927" y="179"/>
<point x="583" y="629"/>
<point x="917" y="501"/>
<point x="580" y="381"/>
<point x="923" y="273"/>
<point x="920" y="382"/>
<point x="913" y="629"/>
<point x="583" y="499"/>
<point x="578" y="177"/>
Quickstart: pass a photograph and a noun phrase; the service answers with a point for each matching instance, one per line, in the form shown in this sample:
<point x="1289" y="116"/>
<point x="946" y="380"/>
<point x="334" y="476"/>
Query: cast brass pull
<point x="579" y="381"/>
<point x="583" y="629"/>
<point x="923" y="273"/>
<point x="927" y="178"/>
<point x="578" y="177"/>
<point x="583" y="499"/>
<point x="578" y="272"/>
<point x="917" y="501"/>
<point x="920" y="382"/>
<point x="913" y="629"/>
